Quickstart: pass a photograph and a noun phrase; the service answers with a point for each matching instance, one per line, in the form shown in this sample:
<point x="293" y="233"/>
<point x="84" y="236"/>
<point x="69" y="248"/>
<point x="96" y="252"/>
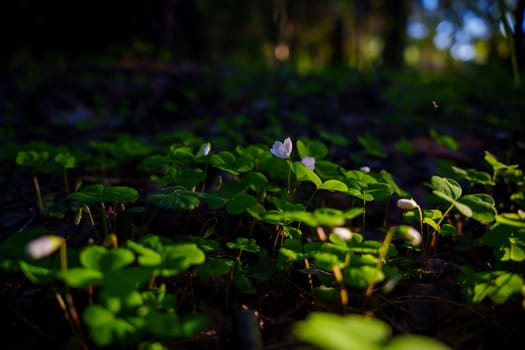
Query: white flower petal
<point x="43" y="246"/>
<point x="309" y="162"/>
<point x="282" y="150"/>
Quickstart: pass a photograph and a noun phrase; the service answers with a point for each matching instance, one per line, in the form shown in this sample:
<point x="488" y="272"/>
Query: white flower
<point x="410" y="234"/>
<point x="342" y="233"/>
<point x="407" y="204"/>
<point x="43" y="246"/>
<point x="309" y="162"/>
<point x="365" y="169"/>
<point x="206" y="148"/>
<point x="282" y="149"/>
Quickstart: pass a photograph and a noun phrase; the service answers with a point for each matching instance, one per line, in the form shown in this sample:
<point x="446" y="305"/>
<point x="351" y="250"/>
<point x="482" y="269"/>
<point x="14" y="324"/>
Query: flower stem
<point x="289" y="179"/>
<point x="381" y="260"/>
<point x="40" y="203"/>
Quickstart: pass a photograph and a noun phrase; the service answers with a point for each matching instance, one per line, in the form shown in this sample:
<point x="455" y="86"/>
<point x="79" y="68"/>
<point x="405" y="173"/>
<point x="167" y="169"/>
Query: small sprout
<point x="309" y="162"/>
<point x="282" y="149"/>
<point x="407" y="204"/>
<point x="410" y="234"/>
<point x="365" y="169"/>
<point x="342" y="233"/>
<point x="43" y="246"/>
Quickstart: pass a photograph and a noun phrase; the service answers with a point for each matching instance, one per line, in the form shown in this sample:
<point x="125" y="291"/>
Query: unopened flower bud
<point x="342" y="233"/>
<point x="43" y="246"/>
<point x="410" y="234"/>
<point x="206" y="148"/>
<point x="407" y="204"/>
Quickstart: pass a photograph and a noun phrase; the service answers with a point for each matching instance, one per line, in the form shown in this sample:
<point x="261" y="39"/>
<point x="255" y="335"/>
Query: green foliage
<point x="334" y="332"/>
<point x="99" y="193"/>
<point x="479" y="206"/>
<point x="372" y="145"/>
<point x="174" y="198"/>
<point x="499" y="286"/>
<point x="252" y="198"/>
<point x="66" y="160"/>
<point x="32" y="158"/>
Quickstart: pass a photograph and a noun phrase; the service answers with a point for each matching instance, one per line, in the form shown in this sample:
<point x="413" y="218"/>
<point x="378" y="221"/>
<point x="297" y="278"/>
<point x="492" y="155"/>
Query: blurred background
<point x="305" y="34"/>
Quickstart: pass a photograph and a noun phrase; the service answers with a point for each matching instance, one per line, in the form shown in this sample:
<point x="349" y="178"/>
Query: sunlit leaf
<point x="414" y="342"/>
<point x="508" y="242"/>
<point x="311" y="148"/>
<point x="361" y="276"/>
<point x="475" y="176"/>
<point x="104" y="326"/>
<point x="31" y="158"/>
<point x="329" y="217"/>
<point x="330" y="331"/>
<point x="511" y="219"/>
<point x="444" y="188"/>
<point x="334" y="185"/>
<point x="146" y="256"/>
<point x="496" y="164"/>
<point x="79" y="277"/>
<point x="303" y="173"/>
<point x="498" y="286"/>
<point x="66" y="159"/>
<point x="482" y="206"/>
<point x="103" y="259"/>
<point x="35" y="273"/>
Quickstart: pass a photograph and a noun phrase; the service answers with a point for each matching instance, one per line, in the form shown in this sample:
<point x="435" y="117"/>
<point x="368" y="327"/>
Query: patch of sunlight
<point x="412" y="55"/>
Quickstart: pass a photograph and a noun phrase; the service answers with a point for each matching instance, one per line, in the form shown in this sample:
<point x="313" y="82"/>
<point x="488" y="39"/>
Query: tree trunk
<point x="519" y="43"/>
<point x="395" y="15"/>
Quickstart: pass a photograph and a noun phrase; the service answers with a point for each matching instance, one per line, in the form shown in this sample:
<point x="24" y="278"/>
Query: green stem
<point x="310" y="199"/>
<point x="40" y="203"/>
<point x="289" y="178"/>
<point x="420" y="219"/>
<point x="104" y="221"/>
<point x="381" y="260"/>
<point x="364" y="217"/>
<point x="63" y="256"/>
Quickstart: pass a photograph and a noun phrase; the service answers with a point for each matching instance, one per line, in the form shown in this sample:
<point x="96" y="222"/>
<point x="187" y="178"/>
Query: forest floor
<point x="227" y="106"/>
